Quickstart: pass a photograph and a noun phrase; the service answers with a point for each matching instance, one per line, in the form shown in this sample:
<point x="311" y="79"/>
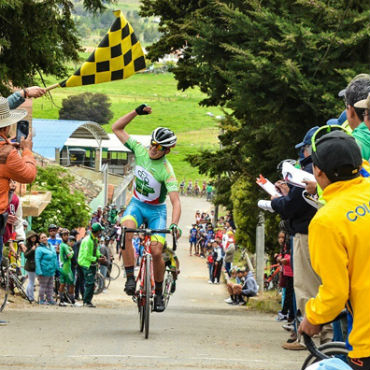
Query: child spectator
<point x="46" y="266"/>
<point x="198" y="217"/>
<point x="229" y="251"/>
<point x="217" y="261"/>
<point x="66" y="276"/>
<point x="210" y="261"/>
<point x="287" y="276"/>
<point x="193" y="240"/>
<point x="235" y="289"/>
<point x="32" y="240"/>
<point x="250" y="287"/>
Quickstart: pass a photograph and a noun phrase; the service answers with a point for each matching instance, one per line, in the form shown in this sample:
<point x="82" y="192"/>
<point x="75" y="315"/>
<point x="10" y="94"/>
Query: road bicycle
<point x="114" y="271"/>
<point x="4" y="285"/>
<point x="271" y="279"/>
<point x="11" y="281"/>
<point x="145" y="280"/>
<point x="325" y="351"/>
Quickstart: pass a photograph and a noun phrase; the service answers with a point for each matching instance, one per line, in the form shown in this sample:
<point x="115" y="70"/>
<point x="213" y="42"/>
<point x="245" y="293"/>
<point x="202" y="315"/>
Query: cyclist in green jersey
<point x="154" y="179"/>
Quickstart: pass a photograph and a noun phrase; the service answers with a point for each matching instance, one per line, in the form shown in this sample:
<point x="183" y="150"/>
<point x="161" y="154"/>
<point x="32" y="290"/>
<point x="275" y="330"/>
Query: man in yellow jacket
<point x="339" y="243"/>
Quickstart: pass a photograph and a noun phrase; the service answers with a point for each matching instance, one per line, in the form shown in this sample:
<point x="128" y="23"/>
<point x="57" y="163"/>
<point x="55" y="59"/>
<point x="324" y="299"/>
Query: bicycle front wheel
<point x="4" y="286"/>
<point x="148" y="293"/>
<point x="115" y="271"/>
<point x="141" y="305"/>
<point x="19" y="286"/>
<point x="331" y="349"/>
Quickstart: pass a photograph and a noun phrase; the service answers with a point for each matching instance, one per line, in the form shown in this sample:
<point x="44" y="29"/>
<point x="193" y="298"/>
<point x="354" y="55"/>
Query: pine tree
<point x="275" y="66"/>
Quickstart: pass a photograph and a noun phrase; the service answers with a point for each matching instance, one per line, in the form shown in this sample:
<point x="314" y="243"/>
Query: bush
<point x="67" y="207"/>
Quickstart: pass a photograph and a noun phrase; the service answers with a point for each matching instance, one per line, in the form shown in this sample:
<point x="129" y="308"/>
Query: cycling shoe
<point x="130" y="286"/>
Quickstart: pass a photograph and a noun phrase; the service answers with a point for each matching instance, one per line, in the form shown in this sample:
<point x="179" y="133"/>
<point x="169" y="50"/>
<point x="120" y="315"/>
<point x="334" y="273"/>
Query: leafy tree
<point x="275" y="66"/>
<point x="87" y="106"/>
<point x="38" y="36"/>
<point x="67" y="207"/>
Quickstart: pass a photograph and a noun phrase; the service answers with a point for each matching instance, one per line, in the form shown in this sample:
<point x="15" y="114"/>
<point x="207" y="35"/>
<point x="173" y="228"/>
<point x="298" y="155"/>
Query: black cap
<point x="338" y="155"/>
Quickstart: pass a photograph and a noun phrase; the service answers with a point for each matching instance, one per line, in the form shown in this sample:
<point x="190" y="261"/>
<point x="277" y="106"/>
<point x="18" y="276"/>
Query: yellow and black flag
<point x="119" y="55"/>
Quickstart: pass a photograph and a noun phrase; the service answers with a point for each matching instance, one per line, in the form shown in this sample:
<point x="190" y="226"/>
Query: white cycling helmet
<point x="164" y="136"/>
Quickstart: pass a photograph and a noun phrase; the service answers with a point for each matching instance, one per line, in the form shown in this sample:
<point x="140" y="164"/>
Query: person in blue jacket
<point x="46" y="266"/>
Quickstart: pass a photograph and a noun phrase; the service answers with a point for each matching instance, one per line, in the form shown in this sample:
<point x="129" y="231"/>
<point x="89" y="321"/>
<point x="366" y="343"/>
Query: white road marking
<point x="156" y="357"/>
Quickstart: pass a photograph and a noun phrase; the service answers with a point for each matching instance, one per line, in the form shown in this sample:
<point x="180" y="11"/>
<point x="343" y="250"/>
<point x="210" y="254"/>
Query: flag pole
<point x="51" y="87"/>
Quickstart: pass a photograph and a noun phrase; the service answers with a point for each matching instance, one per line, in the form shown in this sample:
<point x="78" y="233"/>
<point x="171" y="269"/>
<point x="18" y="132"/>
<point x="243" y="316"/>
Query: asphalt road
<point x="197" y="331"/>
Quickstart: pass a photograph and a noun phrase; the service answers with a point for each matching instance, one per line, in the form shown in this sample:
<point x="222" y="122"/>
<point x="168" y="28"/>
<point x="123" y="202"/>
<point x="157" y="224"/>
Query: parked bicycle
<point x="145" y="280"/>
<point x="271" y="278"/>
<point x="11" y="281"/>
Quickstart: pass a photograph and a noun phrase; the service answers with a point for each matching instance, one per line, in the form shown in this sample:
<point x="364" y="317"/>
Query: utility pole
<point x="104" y="169"/>
<point x="260" y="251"/>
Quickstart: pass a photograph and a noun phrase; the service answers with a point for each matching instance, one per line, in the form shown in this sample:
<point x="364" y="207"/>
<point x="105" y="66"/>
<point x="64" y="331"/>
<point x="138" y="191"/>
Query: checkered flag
<point x="118" y="56"/>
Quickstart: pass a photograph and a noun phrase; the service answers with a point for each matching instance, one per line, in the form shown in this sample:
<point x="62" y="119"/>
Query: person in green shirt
<point x="357" y="91"/>
<point x="88" y="258"/>
<point x="154" y="179"/>
<point x="66" y="277"/>
<point x="113" y="214"/>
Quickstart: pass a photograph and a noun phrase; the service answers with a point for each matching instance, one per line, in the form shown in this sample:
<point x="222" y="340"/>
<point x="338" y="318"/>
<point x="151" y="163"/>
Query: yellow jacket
<point x="339" y="243"/>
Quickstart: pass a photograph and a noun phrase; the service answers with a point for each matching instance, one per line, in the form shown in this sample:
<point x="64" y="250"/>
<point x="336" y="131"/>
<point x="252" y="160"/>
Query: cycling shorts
<point x="154" y="215"/>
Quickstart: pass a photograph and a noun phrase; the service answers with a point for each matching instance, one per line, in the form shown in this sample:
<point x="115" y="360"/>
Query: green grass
<point x="175" y="109"/>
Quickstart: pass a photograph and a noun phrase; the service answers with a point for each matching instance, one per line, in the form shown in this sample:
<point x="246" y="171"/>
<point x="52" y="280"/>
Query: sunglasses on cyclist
<point x="158" y="146"/>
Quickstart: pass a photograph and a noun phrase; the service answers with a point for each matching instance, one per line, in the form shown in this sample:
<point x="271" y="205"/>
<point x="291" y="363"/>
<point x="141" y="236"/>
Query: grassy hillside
<point x="177" y="110"/>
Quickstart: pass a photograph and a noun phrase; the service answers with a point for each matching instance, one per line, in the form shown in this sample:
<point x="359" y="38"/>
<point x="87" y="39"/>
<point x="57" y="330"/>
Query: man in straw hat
<point x="21" y="168"/>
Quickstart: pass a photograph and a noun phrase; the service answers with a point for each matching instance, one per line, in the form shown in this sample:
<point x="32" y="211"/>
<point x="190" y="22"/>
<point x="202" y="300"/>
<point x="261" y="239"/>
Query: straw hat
<point x="9" y="116"/>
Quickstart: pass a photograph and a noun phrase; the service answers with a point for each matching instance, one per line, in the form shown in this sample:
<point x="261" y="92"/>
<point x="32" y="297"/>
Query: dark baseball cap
<point x="338" y="155"/>
<point x="307" y="138"/>
<point x="361" y="76"/>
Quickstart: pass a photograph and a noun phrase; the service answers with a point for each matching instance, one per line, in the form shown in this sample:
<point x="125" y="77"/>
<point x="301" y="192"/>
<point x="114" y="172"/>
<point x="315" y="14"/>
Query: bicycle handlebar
<point x="148" y="231"/>
<point x="310" y="343"/>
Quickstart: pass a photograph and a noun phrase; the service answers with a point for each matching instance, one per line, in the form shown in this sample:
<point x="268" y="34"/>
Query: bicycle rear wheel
<point x="107" y="281"/>
<point x="99" y="283"/>
<point x="148" y="293"/>
<point x="4" y="286"/>
<point x="115" y="271"/>
<point x="331" y="349"/>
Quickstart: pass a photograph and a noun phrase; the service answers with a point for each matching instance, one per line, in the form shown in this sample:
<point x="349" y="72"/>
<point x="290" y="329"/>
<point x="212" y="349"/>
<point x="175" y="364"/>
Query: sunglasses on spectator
<point x="158" y="146"/>
<point x="325" y="130"/>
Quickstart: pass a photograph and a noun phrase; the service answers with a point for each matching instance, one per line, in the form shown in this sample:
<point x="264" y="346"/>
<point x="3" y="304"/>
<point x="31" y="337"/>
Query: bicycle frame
<point x="141" y="275"/>
<point x="145" y="293"/>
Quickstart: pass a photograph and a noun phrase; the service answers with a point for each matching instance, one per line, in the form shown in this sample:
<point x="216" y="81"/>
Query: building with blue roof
<point x="70" y="142"/>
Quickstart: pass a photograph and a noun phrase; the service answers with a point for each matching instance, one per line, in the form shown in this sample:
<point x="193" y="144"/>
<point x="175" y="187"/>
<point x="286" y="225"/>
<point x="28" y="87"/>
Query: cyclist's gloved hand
<point x="140" y="110"/>
<point x="175" y="228"/>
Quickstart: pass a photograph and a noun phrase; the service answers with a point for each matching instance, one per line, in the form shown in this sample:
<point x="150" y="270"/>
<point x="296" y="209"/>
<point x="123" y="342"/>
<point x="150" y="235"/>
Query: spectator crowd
<point x="325" y="228"/>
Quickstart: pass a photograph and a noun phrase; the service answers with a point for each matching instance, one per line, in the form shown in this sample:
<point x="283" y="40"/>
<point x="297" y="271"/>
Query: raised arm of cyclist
<point x="154" y="179"/>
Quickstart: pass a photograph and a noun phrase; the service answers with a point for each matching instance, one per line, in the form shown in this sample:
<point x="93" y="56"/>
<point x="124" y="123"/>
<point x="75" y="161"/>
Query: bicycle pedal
<point x="134" y="298"/>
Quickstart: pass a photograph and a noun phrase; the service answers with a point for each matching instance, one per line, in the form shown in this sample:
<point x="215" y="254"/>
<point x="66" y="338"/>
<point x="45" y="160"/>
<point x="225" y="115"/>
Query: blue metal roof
<point x="53" y="133"/>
